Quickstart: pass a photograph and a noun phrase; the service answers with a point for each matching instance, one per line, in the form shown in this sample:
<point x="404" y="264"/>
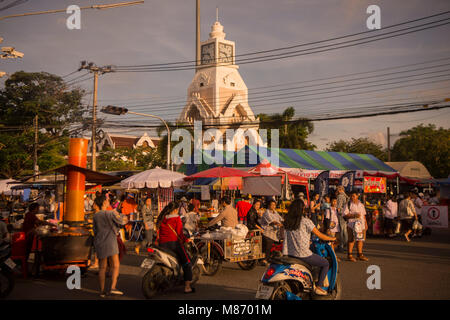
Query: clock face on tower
<point x="208" y="53"/>
<point x="225" y="53"/>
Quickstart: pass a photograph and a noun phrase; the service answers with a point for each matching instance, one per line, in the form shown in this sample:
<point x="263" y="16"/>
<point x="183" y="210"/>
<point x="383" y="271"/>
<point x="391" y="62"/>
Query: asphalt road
<point x="416" y="270"/>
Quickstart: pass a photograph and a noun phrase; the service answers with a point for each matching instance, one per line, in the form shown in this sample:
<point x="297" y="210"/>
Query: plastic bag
<point x="397" y="227"/>
<point x="416" y="225"/>
<point x="240" y="231"/>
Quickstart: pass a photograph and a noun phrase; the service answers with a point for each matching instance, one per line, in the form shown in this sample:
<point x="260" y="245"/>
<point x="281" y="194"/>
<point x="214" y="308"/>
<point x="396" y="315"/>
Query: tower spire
<point x="217" y="13"/>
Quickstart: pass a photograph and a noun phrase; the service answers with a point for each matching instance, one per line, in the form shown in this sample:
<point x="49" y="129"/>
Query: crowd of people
<point x="339" y="218"/>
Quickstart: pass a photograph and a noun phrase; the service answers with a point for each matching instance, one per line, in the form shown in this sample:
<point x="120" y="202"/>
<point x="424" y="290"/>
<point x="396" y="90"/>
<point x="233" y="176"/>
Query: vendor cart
<point x="215" y="249"/>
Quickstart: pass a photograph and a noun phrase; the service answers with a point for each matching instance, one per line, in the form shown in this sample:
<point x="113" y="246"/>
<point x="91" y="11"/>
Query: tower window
<point x="201" y="84"/>
<point x="232" y="84"/>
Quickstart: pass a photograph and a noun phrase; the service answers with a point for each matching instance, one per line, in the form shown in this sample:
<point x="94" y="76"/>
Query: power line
<point x="296" y="46"/>
<point x="349" y="43"/>
<point x="388" y="109"/>
<point x="282" y="101"/>
<point x="169" y="104"/>
<point x="289" y="95"/>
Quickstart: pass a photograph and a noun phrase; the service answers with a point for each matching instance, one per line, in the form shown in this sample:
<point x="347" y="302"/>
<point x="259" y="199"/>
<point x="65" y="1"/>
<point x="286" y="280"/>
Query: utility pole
<point x="197" y="36"/>
<point x="389" y="144"/>
<point x="35" y="157"/>
<point x="96" y="70"/>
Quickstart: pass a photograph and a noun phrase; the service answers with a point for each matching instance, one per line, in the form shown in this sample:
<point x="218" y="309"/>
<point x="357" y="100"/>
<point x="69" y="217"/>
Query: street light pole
<point x="121" y="110"/>
<point x="169" y="167"/>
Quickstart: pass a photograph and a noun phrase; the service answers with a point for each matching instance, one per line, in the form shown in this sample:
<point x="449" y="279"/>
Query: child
<point x="332" y="220"/>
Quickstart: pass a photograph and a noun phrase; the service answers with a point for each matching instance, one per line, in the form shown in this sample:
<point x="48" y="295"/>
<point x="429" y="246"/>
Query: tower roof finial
<point x="217" y="13"/>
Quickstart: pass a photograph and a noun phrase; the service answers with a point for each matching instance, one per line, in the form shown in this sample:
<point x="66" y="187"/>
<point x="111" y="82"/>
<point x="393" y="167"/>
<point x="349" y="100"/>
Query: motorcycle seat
<point x="291" y="260"/>
<point x="168" y="251"/>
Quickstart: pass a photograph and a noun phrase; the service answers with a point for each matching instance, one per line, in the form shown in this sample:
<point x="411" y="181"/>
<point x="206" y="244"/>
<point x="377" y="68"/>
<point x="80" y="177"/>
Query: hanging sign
<point x="374" y="185"/>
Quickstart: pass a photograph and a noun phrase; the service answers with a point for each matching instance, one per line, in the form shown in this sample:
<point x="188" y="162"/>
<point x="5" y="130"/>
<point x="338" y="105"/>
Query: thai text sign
<point x="374" y="185"/>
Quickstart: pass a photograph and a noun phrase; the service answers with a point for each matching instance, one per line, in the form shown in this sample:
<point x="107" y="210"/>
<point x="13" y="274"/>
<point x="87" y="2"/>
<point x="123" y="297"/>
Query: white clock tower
<point x="217" y="95"/>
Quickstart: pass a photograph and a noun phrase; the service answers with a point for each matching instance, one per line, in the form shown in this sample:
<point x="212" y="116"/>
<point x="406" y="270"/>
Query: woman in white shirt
<point x="355" y="214"/>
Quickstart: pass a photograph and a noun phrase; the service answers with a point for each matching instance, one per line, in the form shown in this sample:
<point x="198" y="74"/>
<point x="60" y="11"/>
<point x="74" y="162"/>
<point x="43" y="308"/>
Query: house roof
<point x="124" y="142"/>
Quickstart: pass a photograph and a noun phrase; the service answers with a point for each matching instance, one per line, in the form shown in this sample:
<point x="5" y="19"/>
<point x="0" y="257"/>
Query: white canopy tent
<point x="155" y="178"/>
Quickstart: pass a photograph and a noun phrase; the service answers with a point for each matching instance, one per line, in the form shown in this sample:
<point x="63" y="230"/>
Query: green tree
<point x="425" y="144"/>
<point x="293" y="134"/>
<point x="26" y="95"/>
<point x="140" y="158"/>
<point x="359" y="145"/>
<point x="58" y="108"/>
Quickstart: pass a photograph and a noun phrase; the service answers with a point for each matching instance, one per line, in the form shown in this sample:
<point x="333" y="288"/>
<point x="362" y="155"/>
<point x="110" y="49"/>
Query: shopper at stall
<point x="325" y="206"/>
<point x="332" y="220"/>
<point x="253" y="217"/>
<point x="171" y="237"/>
<point x="191" y="219"/>
<point x="228" y="216"/>
<point x="315" y="209"/>
<point x="242" y="207"/>
<point x="30" y="223"/>
<point x="146" y="213"/>
<point x="215" y="203"/>
<point x="298" y="235"/>
<point x="271" y="223"/>
<point x="355" y="215"/>
<point x="407" y="214"/>
<point x="183" y="207"/>
<point x="418" y="204"/>
<point x="196" y="203"/>
<point x="342" y="200"/>
<point x="106" y="228"/>
<point x="390" y="210"/>
<point x="129" y="208"/>
<point x="301" y="196"/>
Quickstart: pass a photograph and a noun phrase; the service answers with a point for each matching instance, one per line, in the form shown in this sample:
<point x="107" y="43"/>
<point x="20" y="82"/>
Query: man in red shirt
<point x="30" y="222"/>
<point x="243" y="207"/>
<point x="196" y="203"/>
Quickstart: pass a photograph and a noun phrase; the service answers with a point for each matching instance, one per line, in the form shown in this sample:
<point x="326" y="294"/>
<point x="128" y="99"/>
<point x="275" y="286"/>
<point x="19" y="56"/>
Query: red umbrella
<point x="266" y="169"/>
<point x="219" y="172"/>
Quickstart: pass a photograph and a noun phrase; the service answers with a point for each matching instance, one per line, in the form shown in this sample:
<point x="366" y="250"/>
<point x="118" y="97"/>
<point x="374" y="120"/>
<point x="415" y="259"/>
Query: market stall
<point x="70" y="242"/>
<point x="373" y="197"/>
<point x="161" y="181"/>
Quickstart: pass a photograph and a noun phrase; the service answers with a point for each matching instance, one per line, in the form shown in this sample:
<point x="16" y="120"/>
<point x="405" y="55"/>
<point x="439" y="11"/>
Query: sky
<point x="164" y="31"/>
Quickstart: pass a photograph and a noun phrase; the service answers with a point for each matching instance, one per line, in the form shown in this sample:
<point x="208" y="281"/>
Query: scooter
<point x="289" y="278"/>
<point x="6" y="271"/>
<point x="163" y="271"/>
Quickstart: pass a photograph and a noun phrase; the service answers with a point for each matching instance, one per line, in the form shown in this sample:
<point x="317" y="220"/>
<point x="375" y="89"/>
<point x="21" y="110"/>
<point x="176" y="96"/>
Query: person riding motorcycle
<point x="298" y="229"/>
<point x="170" y="229"/>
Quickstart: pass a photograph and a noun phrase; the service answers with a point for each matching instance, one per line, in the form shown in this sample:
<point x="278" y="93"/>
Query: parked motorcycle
<point x="289" y="278"/>
<point x="163" y="271"/>
<point x="6" y="271"/>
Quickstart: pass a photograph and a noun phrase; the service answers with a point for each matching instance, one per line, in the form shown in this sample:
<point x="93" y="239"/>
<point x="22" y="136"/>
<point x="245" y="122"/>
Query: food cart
<point x="374" y="192"/>
<point x="216" y="247"/>
<point x="69" y="243"/>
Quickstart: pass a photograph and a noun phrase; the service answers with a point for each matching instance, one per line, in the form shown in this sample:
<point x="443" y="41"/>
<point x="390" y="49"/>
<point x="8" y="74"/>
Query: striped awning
<point x="297" y="161"/>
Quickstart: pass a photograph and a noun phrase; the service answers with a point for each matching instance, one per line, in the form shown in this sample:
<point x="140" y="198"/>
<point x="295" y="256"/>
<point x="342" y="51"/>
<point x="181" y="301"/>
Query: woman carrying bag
<point x="170" y="233"/>
<point x="106" y="224"/>
<point x="408" y="215"/>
